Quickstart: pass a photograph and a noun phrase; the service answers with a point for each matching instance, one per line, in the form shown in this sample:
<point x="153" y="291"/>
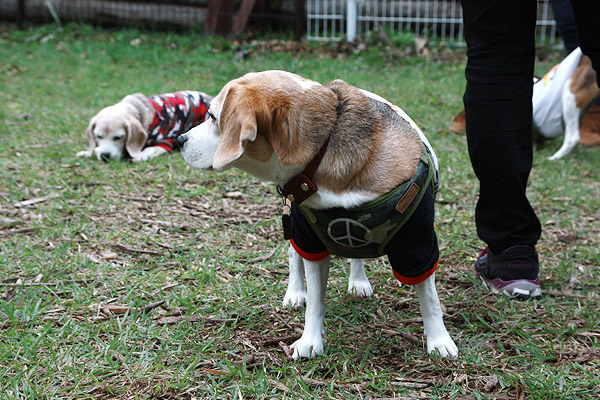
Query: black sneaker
<point x="514" y="272"/>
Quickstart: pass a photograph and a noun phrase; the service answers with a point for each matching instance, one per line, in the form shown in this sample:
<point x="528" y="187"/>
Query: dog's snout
<point x="105" y="157"/>
<point x="181" y="140"/>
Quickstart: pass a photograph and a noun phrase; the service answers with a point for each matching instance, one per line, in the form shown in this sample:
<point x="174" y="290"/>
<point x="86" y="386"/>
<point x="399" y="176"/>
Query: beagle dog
<point x="359" y="173"/>
<point x="144" y="127"/>
<point x="560" y="101"/>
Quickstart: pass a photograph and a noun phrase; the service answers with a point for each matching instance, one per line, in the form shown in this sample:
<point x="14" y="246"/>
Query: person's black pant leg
<point x="587" y="19"/>
<point x="500" y="36"/>
<point x="565" y="23"/>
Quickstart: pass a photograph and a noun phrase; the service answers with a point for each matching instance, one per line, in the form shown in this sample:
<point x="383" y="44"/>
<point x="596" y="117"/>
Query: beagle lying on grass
<point x="144" y="127"/>
<point x="560" y="100"/>
<point x="359" y="173"/>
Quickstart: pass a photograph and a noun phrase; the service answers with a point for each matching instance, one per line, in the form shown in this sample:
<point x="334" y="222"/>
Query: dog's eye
<point x="98" y="136"/>
<point x="212" y="116"/>
<point x="117" y="138"/>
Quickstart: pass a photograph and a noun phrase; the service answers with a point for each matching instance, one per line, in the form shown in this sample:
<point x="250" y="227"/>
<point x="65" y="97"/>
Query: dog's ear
<point x="298" y="126"/>
<point x="136" y="137"/>
<point x="238" y="124"/>
<point x="89" y="131"/>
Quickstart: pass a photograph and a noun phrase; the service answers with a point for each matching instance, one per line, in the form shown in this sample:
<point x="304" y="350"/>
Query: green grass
<point x="69" y="260"/>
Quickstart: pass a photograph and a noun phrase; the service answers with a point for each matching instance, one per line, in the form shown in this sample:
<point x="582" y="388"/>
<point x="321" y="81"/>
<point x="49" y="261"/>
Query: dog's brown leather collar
<point x="301" y="186"/>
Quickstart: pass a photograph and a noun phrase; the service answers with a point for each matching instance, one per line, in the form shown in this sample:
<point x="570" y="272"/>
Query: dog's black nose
<point x="181" y="140"/>
<point x="105" y="157"/>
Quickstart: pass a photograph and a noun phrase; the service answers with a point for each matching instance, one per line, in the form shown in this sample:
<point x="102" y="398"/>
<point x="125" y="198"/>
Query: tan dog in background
<point x="144" y="127"/>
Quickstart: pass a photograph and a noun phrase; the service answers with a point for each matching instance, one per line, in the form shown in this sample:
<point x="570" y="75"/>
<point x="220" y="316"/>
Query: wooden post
<point x="241" y="19"/>
<point x="300" y="24"/>
<point x="210" y="23"/>
<point x="20" y="13"/>
<point x="218" y="17"/>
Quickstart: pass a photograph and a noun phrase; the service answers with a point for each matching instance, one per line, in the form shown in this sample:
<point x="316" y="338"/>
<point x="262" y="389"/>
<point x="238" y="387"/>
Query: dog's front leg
<point x="150" y="152"/>
<point x="433" y="323"/>
<point x="571" y="114"/>
<point x="86" y="153"/>
<point x="295" y="295"/>
<point x="310" y="343"/>
<point x="358" y="283"/>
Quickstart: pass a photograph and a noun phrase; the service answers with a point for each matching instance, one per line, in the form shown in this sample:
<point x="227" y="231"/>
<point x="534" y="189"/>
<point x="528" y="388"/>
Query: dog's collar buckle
<point x="301" y="186"/>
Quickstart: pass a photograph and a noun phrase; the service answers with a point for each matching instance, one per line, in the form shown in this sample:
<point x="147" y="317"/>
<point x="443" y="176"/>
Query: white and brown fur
<point x="579" y="93"/>
<point x="271" y="124"/>
<point x="122" y="128"/>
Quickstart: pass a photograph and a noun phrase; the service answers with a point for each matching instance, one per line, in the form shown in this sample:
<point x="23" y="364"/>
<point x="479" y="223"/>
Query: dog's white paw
<point x="148" y="153"/>
<point x="84" y="153"/>
<point x="139" y="158"/>
<point x="308" y="346"/>
<point x="443" y="344"/>
<point x="360" y="288"/>
<point x="565" y="149"/>
<point x="294" y="299"/>
<point x="556" y="156"/>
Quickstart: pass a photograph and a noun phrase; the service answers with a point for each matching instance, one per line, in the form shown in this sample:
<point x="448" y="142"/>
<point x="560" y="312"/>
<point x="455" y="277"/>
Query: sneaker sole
<point x="522" y="288"/>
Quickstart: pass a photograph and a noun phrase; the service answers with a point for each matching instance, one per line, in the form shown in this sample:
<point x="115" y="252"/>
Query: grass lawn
<point x="153" y="280"/>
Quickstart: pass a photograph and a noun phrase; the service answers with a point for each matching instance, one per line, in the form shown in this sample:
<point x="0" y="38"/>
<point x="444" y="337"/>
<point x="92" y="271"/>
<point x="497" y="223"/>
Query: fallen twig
<point x="217" y="372"/>
<point x="193" y="318"/>
<point x="413" y="383"/>
<point x="410" y="337"/>
<point x="396" y="398"/>
<point x="336" y="384"/>
<point x="284" y="339"/>
<point x="157" y="222"/>
<point x="129" y="250"/>
<point x="169" y="286"/>
<point x="33" y="201"/>
<point x="133" y="198"/>
<point x="279" y="385"/>
<point x="560" y="293"/>
<point x="16" y="231"/>
<point x="263" y="258"/>
<point x="286" y="350"/>
<point x="44" y="283"/>
<point x="152" y="306"/>
<point x="298" y="330"/>
<point x="115" y="309"/>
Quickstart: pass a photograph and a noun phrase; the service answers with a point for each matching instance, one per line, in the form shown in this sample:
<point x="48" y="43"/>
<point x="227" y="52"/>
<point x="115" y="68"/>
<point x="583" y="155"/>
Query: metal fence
<point x="441" y="19"/>
<point x="325" y="19"/>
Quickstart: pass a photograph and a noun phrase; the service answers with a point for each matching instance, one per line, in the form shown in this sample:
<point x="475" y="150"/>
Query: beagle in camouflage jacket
<point x="143" y="127"/>
<point x="273" y="124"/>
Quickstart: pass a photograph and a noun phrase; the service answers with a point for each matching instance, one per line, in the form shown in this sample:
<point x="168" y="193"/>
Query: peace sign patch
<point x="349" y="233"/>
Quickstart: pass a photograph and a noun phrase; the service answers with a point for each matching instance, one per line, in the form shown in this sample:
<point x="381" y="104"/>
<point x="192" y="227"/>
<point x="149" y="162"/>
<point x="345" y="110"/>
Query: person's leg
<point x="587" y="19"/>
<point x="498" y="112"/>
<point x="565" y="23"/>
